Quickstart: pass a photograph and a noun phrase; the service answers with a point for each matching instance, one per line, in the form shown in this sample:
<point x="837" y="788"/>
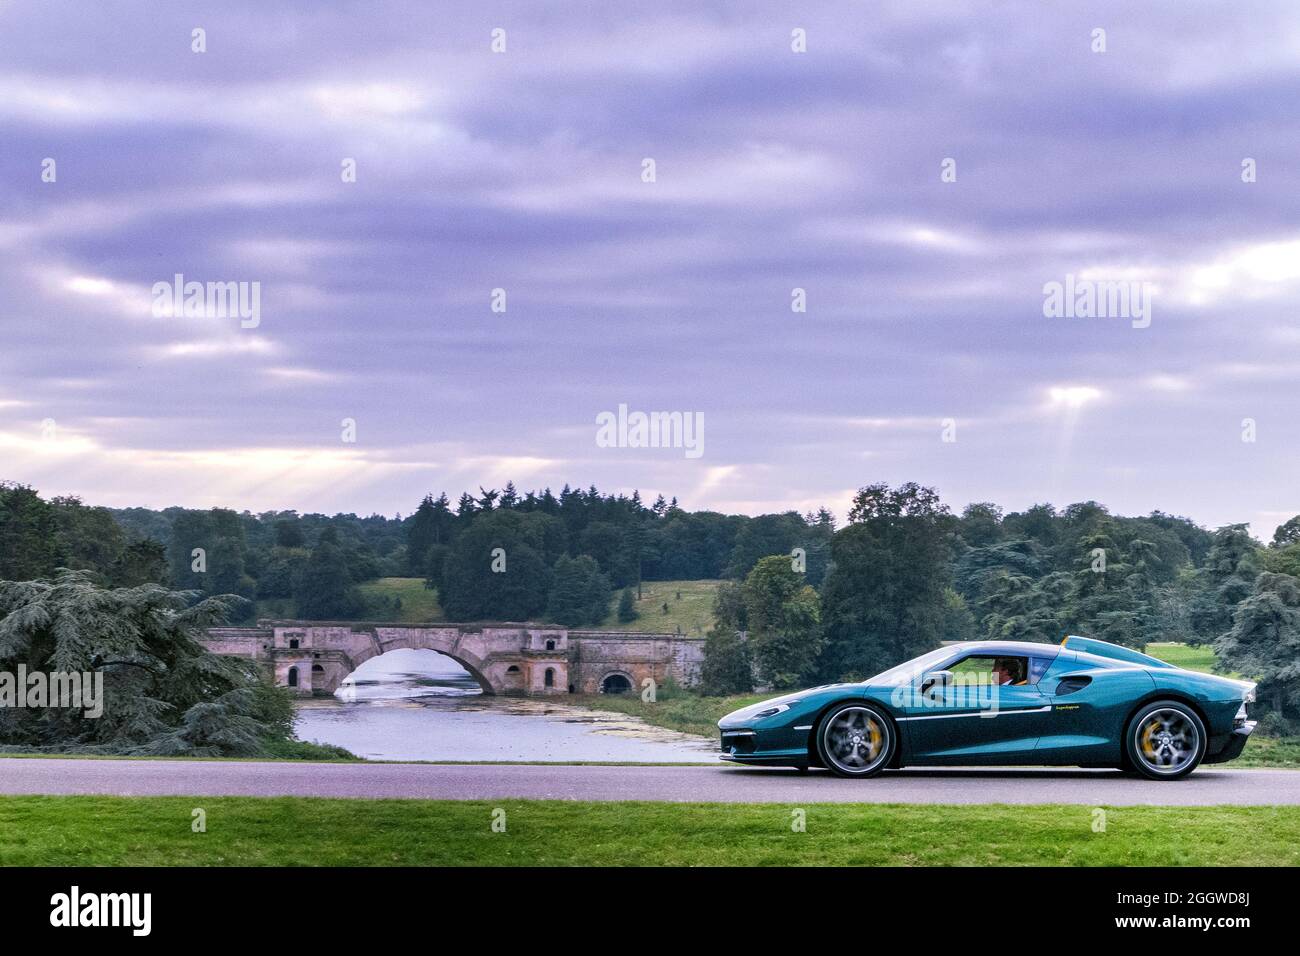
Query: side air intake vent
<point x="1069" y="685"/>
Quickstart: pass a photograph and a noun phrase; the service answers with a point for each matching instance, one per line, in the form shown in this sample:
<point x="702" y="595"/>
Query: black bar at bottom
<point x="352" y="905"/>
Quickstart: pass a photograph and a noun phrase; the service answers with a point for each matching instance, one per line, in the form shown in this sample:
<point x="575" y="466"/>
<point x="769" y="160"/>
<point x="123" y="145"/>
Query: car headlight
<point x="773" y="710"/>
<point x="1249" y="696"/>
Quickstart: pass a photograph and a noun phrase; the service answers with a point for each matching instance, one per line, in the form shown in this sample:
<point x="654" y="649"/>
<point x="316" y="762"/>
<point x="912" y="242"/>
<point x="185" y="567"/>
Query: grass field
<point x="692" y="612"/>
<point x="690" y="608"/>
<point x="1281" y="753"/>
<point x="681" y="711"/>
<point x="274" y="609"/>
<point x="419" y="603"/>
<point x="1199" y="658"/>
<point x="284" y="831"/>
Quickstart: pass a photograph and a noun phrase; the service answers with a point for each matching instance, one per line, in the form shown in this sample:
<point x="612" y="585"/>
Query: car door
<point x="1091" y="702"/>
<point x="975" y="719"/>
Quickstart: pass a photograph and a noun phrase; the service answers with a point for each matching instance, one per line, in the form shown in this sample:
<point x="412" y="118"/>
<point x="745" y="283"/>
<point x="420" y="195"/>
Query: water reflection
<point x="421" y="705"/>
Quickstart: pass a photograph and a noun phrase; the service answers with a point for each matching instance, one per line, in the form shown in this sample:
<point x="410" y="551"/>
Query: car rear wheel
<point x="855" y="740"/>
<point x="1165" y="740"/>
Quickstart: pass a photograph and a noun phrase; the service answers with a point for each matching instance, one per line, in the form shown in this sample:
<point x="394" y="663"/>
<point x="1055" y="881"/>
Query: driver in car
<point x="1008" y="671"/>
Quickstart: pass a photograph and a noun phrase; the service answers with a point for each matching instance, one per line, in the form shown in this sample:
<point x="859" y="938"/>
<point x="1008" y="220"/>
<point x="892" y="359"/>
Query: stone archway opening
<point x="413" y="672"/>
<point x="616" y="684"/>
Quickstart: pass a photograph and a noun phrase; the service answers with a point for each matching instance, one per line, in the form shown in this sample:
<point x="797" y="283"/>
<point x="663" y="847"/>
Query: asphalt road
<point x="1206" y="786"/>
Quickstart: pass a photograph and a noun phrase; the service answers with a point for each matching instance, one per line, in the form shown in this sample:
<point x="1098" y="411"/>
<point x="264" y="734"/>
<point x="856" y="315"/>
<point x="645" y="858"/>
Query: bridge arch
<point x="472" y="664"/>
<point x="616" y="682"/>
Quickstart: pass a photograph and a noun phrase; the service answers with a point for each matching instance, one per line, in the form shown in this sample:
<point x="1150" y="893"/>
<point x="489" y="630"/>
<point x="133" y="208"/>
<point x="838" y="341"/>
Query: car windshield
<point x="905" y="672"/>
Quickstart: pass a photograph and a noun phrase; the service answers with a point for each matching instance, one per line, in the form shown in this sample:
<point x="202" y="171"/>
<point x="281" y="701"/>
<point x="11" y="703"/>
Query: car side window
<point x="1037" y="668"/>
<point x="1003" y="669"/>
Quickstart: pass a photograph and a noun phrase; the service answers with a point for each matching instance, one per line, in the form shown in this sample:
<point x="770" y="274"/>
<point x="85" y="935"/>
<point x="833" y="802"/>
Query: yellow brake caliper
<point x="1148" y="741"/>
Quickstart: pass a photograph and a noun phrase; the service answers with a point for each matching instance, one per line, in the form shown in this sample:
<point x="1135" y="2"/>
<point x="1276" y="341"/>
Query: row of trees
<point x="520" y="558"/>
<point x="38" y="536"/>
<point x="309" y="565"/>
<point x="629" y="541"/>
<point x="813" y="602"/>
<point x="905" y="573"/>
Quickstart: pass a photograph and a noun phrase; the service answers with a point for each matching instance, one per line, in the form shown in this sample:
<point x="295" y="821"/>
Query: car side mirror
<point x="935" y="680"/>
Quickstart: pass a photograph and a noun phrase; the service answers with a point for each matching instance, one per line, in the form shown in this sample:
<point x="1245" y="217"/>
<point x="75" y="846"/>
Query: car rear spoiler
<point x="1091" y="645"/>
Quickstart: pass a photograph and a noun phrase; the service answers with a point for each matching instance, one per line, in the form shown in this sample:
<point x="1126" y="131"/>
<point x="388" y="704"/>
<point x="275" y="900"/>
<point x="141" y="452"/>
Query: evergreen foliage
<point x="163" y="692"/>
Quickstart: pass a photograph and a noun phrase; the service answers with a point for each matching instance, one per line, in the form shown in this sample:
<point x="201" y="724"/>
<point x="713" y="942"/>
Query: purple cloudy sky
<point x="775" y="170"/>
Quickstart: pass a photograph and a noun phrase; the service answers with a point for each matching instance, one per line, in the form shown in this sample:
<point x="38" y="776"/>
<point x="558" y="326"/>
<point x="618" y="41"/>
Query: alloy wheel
<point x="856" y="740"/>
<point x="1167" y="741"/>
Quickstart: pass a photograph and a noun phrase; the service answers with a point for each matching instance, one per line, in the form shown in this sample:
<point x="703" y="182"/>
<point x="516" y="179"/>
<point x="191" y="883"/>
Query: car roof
<point x="1006" y="647"/>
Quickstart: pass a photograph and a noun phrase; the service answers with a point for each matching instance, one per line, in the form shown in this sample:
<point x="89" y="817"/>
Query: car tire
<point x="856" y="739"/>
<point x="1165" y="740"/>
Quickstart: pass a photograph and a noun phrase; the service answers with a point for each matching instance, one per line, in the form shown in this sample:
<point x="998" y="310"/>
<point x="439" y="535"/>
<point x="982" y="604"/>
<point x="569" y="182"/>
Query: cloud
<point x="124" y="299"/>
<point x="1073" y="396"/>
<point x="302" y="375"/>
<point x="1256" y="271"/>
<point x="242" y="345"/>
<point x="775" y="171"/>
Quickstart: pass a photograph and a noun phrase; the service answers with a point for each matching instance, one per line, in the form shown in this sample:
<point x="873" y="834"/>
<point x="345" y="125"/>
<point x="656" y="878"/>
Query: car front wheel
<point x="1165" y="740"/>
<point x="855" y="740"/>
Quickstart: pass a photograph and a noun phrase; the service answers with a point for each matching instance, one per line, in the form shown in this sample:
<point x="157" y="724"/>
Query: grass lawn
<point x="1186" y="656"/>
<point x="1277" y="752"/>
<point x="683" y="711"/>
<point x="274" y="609"/>
<point x="419" y="604"/>
<point x="692" y="613"/>
<point x="288" y="831"/>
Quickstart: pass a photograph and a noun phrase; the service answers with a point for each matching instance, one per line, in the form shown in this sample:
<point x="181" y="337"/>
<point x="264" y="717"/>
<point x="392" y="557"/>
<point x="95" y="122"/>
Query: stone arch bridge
<point x="523" y="659"/>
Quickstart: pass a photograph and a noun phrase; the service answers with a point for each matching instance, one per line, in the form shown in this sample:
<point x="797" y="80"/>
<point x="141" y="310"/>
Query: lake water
<point x="421" y="705"/>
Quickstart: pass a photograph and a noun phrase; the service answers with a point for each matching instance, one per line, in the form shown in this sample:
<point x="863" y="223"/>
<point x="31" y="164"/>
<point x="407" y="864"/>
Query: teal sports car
<point x="1081" y="703"/>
